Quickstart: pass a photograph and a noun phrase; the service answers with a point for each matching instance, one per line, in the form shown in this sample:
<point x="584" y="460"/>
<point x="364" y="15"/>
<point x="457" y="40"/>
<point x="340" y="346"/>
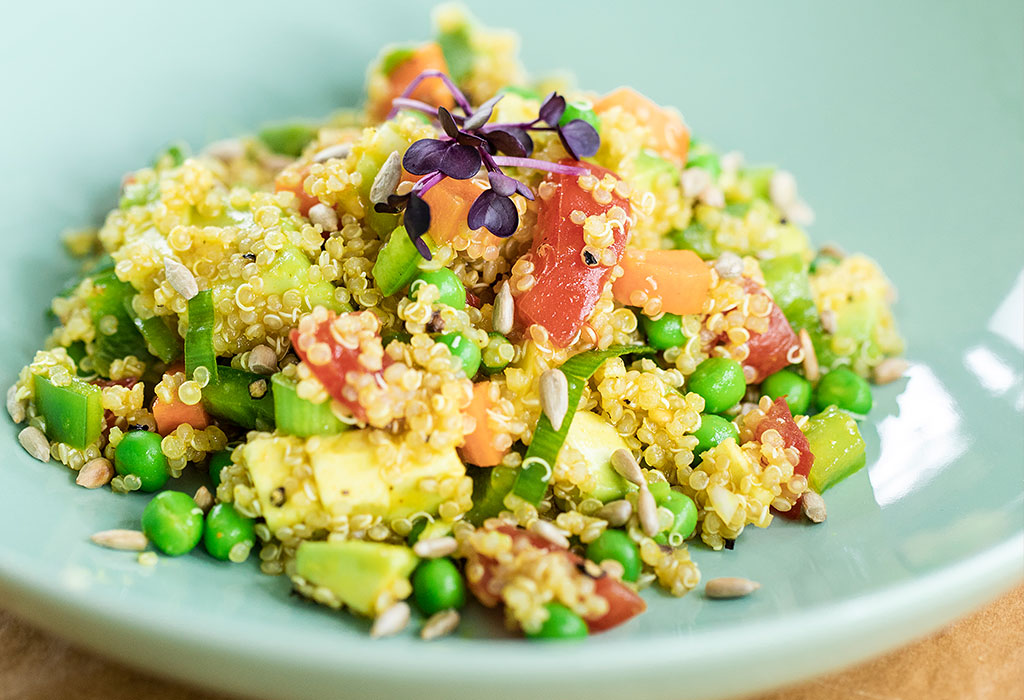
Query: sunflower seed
<point x="782" y="189"/>
<point x="180" y="278"/>
<point x="324" y="216"/>
<point x="614" y="568"/>
<point x="203" y="499"/>
<point x="617" y="513"/>
<point x="549" y="531"/>
<point x="225" y="149"/>
<point x="435" y="547"/>
<point x="625" y="465"/>
<point x="262" y="360"/>
<point x="647" y="512"/>
<point x="338" y="150"/>
<point x="504" y="310"/>
<point x="832" y="250"/>
<point x="387" y="178"/>
<point x="554" y="396"/>
<point x="730" y="587"/>
<point x="712" y="196"/>
<point x="813" y="506"/>
<point x="731" y="161"/>
<point x="15" y="406"/>
<point x="799" y="212"/>
<point x="695" y="181"/>
<point x="811" y="369"/>
<point x="828" y="321"/>
<point x="440" y="624"/>
<point x="729" y="265"/>
<point x="889" y="370"/>
<point x="128" y="540"/>
<point x="96" y="472"/>
<point x="35" y="443"/>
<point x="391" y="621"/>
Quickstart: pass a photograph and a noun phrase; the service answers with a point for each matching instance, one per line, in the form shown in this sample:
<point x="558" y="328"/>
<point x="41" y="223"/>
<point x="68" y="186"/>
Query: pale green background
<point x="905" y="125"/>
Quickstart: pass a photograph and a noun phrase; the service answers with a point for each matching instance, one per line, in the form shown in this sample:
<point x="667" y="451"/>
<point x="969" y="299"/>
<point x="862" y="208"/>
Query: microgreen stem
<point x="426" y="182"/>
<point x="509" y="162"/>
<point x="400" y="103"/>
<point x="460" y="99"/>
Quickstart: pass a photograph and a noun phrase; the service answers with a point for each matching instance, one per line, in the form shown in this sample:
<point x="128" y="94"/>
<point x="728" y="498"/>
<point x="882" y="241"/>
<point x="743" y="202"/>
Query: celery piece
<point x="458" y="51"/>
<point x="199" y="350"/>
<point x="837" y="446"/>
<point x="490" y="486"/>
<point x="116" y="335"/>
<point x="288" y="138"/>
<point x="241" y="397"/>
<point x="398" y="262"/>
<point x="787" y="280"/>
<point x="73" y="412"/>
<point x="532" y="481"/>
<point x="297" y="416"/>
<point x="161" y="340"/>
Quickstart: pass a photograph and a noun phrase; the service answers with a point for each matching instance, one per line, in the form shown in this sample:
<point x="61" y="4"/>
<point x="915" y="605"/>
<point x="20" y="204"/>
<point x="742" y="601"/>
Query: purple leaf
<point x="394" y="204"/>
<point x="495" y="213"/>
<point x="502" y="183"/>
<point x="481" y="115"/>
<point x="511" y="140"/>
<point x="460" y="162"/>
<point x="447" y="122"/>
<point x="579" y="138"/>
<point x="424" y="156"/>
<point x="473" y="140"/>
<point x="417" y="223"/>
<point x="552" y="109"/>
<point x="524" y="190"/>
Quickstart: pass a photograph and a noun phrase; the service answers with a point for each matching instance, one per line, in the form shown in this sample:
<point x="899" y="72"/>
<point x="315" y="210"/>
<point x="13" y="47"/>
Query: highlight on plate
<point x="488" y="335"/>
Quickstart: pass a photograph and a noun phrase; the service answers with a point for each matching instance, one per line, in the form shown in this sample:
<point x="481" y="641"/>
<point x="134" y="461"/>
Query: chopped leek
<point x="116" y="335"/>
<point x="398" y="262"/>
<point x="73" y="412"/>
<point x="297" y="416"/>
<point x="532" y="481"/>
<point x="199" y="350"/>
<point x="241" y="397"/>
<point x="160" y="339"/>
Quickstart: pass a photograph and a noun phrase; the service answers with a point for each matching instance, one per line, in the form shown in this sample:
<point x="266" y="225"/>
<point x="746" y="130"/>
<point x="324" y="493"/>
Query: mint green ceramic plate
<point x="904" y="125"/>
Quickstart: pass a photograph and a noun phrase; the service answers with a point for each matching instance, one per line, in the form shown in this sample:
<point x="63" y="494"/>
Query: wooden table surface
<point x="978" y="658"/>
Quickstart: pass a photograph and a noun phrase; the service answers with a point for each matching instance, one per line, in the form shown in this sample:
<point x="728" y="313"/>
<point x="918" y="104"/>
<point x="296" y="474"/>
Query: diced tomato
<point x="566" y="288"/>
<point x="291" y="180"/>
<point x="449" y="202"/>
<point x="337" y="374"/>
<point x="668" y="133"/>
<point x="779" y="418"/>
<point x="623" y="603"/>
<point x="769" y="351"/>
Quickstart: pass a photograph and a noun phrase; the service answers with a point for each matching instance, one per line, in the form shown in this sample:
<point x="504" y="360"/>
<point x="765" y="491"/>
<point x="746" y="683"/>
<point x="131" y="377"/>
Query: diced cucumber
<point x="490" y="486"/>
<point x="698" y="238"/>
<point x="837" y="446"/>
<point x="106" y="306"/>
<point x="288" y="138"/>
<point x="231" y="397"/>
<point x="73" y="413"/>
<point x="290" y="270"/>
<point x="161" y="340"/>
<point x="397" y="262"/>
<point x="787" y="279"/>
<point x="649" y="166"/>
<point x="358" y="573"/>
<point x="296" y="416"/>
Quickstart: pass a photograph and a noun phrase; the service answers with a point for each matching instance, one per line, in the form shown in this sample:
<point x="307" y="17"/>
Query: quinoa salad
<point x="486" y="337"/>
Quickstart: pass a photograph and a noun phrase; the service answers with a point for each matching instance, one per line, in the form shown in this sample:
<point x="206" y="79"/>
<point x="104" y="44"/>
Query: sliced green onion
<point x="73" y="412"/>
<point x="287" y="139"/>
<point x="160" y="339"/>
<point x="458" y="52"/>
<point x="532" y="481"/>
<point x="297" y="416"/>
<point x="398" y="262"/>
<point x="490" y="486"/>
<point x="116" y="335"/>
<point x="233" y="396"/>
<point x="199" y="350"/>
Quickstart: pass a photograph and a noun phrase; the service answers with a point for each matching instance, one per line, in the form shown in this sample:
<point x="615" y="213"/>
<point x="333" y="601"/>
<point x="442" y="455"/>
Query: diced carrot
<point x="479" y="446"/>
<point x="169" y="416"/>
<point x="679" y="277"/>
<point x="670" y="137"/>
<point x="291" y="180"/>
<point x="449" y="202"/>
<point x="432" y="91"/>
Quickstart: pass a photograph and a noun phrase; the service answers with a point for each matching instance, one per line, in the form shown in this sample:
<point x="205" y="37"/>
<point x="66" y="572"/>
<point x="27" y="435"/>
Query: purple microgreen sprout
<point x="468" y="142"/>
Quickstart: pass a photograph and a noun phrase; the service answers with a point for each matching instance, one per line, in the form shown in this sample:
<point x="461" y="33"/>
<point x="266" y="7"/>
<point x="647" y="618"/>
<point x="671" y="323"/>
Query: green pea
<point x="580" y="109"/>
<point x="720" y="382"/>
<point x="615" y="544"/>
<point x="844" y="388"/>
<point x="453" y="294"/>
<point x="713" y="429"/>
<point x="498" y="353"/>
<point x="682" y="507"/>
<point x="173" y="523"/>
<point x="665" y="333"/>
<point x="217" y="462"/>
<point x="464" y="349"/>
<point x="795" y="388"/>
<point x="437" y="585"/>
<point x="225" y="528"/>
<point x="139" y="453"/>
<point x="562" y="623"/>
